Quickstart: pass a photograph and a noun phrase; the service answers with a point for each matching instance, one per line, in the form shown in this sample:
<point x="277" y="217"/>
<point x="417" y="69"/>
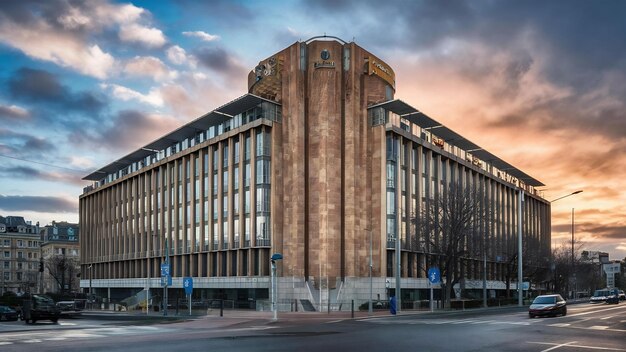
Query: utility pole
<point x="167" y="262"/>
<point x="371" y="309"/>
<point x="519" y="248"/>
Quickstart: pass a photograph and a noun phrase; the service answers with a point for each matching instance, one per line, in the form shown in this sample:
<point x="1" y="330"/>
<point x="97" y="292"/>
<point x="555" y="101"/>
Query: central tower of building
<point x="326" y="186"/>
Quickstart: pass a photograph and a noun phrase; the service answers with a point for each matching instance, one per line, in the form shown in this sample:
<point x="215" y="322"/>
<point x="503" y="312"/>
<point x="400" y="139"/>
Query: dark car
<point x="7" y="313"/>
<point x="40" y="307"/>
<point x="613" y="297"/>
<point x="547" y="305"/>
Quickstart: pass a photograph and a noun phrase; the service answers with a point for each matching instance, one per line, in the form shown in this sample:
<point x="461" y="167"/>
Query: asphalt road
<point x="585" y="328"/>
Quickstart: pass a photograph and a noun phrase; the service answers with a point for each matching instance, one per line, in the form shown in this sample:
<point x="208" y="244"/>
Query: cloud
<point x="151" y="67"/>
<point x="42" y="87"/>
<point x="123" y="93"/>
<point x="38" y="204"/>
<point x="22" y="172"/>
<point x="135" y="33"/>
<point x="202" y="35"/>
<point x="42" y="43"/>
<point x="178" y="56"/>
<point x="66" y="33"/>
<point x="221" y="61"/>
<point x="13" y="113"/>
<point x="196" y="93"/>
<point x="128" y="129"/>
<point x="19" y="144"/>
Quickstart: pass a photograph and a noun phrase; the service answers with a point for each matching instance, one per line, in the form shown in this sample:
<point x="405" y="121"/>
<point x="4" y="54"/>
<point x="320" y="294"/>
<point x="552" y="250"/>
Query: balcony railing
<point x="263" y="243"/>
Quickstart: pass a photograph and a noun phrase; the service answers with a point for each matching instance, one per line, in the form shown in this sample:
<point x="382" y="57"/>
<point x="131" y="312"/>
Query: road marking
<point x="594" y="311"/>
<point x="560" y="325"/>
<point x="605" y="318"/>
<point x="571" y="344"/>
<point x="4" y="343"/>
<point x="334" y="321"/>
<point x="32" y="341"/>
<point x="598" y="327"/>
<point x="466" y="321"/>
<point x="558" y="346"/>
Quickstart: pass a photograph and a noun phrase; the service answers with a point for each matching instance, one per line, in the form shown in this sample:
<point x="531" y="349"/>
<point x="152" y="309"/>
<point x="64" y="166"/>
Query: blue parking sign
<point x="165" y="269"/>
<point x="434" y="276"/>
<point x="188" y="285"/>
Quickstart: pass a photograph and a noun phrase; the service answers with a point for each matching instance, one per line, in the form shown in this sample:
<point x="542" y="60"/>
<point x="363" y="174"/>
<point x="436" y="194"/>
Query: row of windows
<point x="436" y="172"/>
<point x="21" y="243"/>
<point x="187" y="221"/>
<point x="21" y="265"/>
<point x="264" y="110"/>
<point x="20" y="255"/>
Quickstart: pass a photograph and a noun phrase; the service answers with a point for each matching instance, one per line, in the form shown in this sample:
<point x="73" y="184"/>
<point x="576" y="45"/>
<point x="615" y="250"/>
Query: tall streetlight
<point x="554" y="200"/>
<point x="90" y="293"/>
<point x="273" y="259"/>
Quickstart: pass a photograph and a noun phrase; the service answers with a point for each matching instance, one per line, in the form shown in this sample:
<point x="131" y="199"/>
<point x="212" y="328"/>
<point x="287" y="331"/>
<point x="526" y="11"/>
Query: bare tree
<point x="566" y="266"/>
<point x="29" y="281"/>
<point x="454" y="227"/>
<point x="63" y="270"/>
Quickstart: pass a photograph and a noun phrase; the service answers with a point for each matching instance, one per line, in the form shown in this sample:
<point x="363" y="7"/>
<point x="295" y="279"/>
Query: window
<point x="7" y="254"/>
<point x="262" y="199"/>
<point x="263" y="171"/>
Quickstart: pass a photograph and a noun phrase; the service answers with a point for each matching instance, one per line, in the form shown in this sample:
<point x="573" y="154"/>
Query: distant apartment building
<point x="61" y="253"/>
<point x="317" y="162"/>
<point x="20" y="254"/>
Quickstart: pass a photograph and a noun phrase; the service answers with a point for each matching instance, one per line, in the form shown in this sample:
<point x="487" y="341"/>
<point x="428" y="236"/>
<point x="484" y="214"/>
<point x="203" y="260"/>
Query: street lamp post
<point x="573" y="271"/>
<point x="573" y="263"/>
<point x="273" y="259"/>
<point x="519" y="249"/>
<point x="370" y="308"/>
<point x="90" y="293"/>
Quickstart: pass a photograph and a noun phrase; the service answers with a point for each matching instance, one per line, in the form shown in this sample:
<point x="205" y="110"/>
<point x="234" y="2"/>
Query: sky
<point x="538" y="83"/>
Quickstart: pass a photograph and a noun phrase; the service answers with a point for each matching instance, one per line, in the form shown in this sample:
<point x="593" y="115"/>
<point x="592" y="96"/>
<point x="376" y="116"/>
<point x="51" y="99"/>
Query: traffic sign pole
<point x="434" y="276"/>
<point x="431" y="296"/>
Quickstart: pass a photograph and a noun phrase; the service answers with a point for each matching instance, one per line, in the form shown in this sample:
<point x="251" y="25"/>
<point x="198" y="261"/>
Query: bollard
<point x="221" y="307"/>
<point x="352" y="309"/>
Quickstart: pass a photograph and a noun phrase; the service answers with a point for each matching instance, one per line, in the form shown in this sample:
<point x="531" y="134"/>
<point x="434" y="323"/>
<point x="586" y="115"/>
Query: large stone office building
<point x="315" y="162"/>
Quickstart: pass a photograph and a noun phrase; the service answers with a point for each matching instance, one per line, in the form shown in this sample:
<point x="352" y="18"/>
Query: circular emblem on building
<point x="325" y="54"/>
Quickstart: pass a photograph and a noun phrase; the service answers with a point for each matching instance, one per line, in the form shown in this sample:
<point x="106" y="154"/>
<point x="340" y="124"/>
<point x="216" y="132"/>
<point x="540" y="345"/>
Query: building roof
<point x="417" y="117"/>
<point x="213" y="118"/>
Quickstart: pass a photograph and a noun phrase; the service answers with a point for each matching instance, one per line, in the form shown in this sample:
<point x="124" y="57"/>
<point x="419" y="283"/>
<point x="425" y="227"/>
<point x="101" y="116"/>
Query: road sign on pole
<point x="188" y="285"/>
<point x="434" y="276"/>
<point x="166" y="281"/>
<point x="165" y="269"/>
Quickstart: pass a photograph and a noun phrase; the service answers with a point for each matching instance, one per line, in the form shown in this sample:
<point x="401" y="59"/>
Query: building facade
<point x="317" y="162"/>
<point x="61" y="256"/>
<point x="20" y="254"/>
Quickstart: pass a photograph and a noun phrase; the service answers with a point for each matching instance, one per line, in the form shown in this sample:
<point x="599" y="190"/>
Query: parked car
<point x="547" y="305"/>
<point x="38" y="307"/>
<point x="621" y="295"/>
<point x="7" y="313"/>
